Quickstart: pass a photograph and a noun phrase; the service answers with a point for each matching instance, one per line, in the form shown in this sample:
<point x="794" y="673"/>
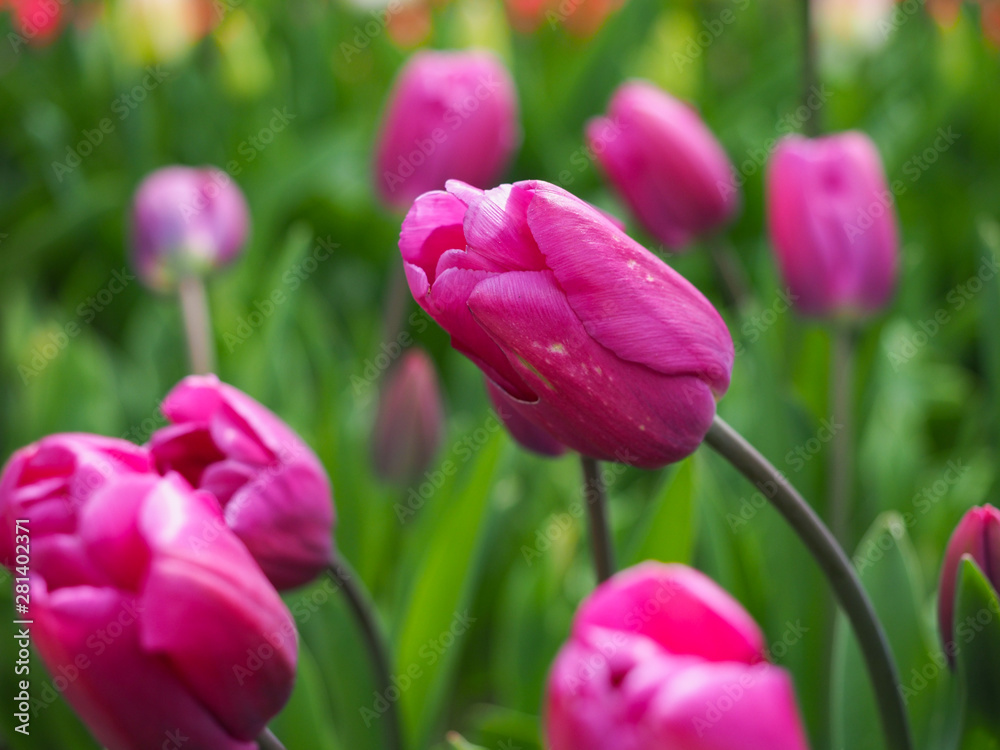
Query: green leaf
<point x="305" y="720"/>
<point x="666" y="532"/>
<point x="977" y="648"/>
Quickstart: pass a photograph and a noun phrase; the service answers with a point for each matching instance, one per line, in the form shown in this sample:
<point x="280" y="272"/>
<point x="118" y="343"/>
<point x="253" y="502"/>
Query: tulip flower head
<point x="833" y="224"/>
<point x="450" y="115"/>
<point x="593" y="338"/>
<point x="37" y="21"/>
<point x="526" y="433"/>
<point x="186" y="221"/>
<point x="274" y="492"/>
<point x="978" y="536"/>
<point x="654" y="654"/>
<point x="665" y="162"/>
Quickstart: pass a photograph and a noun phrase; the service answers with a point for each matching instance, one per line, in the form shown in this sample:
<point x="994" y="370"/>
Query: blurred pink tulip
<point x="186" y="221"/>
<point x="665" y="162"/>
<point x="523" y="431"/>
<point x="832" y="222"/>
<point x="409" y="426"/>
<point x="661" y="657"/>
<point x="38" y="21"/>
<point x="449" y="115"/>
<point x="172" y="631"/>
<point x="274" y="492"/>
<point x="977" y="535"/>
<point x="594" y="339"/>
<point x="47" y="483"/>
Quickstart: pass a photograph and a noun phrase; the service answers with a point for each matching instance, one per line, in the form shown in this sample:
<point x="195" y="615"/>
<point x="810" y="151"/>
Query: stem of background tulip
<point x="731" y="273"/>
<point x="197" y="323"/>
<point x="396" y="303"/>
<point x="839" y="572"/>
<point x="595" y="498"/>
<point x="267" y="741"/>
<point x="344" y="577"/>
<point x="841" y="470"/>
<point x="810" y="78"/>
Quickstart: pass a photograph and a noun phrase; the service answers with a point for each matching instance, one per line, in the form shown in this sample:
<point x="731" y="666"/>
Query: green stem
<point x="197" y="323"/>
<point x="837" y="568"/>
<point x="730" y="272"/>
<point x="841" y="469"/>
<point x="810" y="76"/>
<point x="595" y="497"/>
<point x="267" y="741"/>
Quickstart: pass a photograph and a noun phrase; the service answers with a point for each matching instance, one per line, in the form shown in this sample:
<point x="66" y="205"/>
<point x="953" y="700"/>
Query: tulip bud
<point x="833" y="224"/>
<point x="186" y="221"/>
<point x="47" y="483"/>
<point x="409" y="426"/>
<point x="978" y="536"/>
<point x="665" y="162"/>
<point x="662" y="657"/>
<point x="172" y="631"/>
<point x="595" y="340"/>
<point x="274" y="491"/>
<point x="522" y="430"/>
<point x="449" y="115"/>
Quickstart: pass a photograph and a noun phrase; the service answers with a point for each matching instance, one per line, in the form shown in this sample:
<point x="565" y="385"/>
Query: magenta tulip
<point x="186" y="221"/>
<point x="47" y="483"/>
<point x="172" y="631"/>
<point x="665" y="162"/>
<point x="450" y="115"/>
<point x="409" y="426"/>
<point x="977" y="535"/>
<point x="275" y="494"/>
<point x="661" y="657"/>
<point x="529" y="435"/>
<point x="594" y="339"/>
<point x="833" y="224"/>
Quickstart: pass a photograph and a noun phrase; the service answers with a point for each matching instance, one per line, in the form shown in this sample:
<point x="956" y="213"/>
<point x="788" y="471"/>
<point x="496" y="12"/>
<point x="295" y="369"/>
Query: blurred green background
<point x="927" y="400"/>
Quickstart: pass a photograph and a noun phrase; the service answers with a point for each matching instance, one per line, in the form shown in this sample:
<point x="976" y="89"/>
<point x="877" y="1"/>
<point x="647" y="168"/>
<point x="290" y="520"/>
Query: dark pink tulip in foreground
<point x="274" y="492"/>
<point x="171" y="629"/>
<point x="450" y="115"/>
<point x="186" y="221"/>
<point x="593" y="338"/>
<point x="977" y="535"/>
<point x="832" y="222"/>
<point x="666" y="163"/>
<point x="661" y="657"/>
<point x="526" y="433"/>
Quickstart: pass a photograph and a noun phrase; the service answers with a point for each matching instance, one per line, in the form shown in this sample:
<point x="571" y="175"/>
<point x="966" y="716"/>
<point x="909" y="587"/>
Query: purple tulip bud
<point x="451" y="115"/>
<point x="273" y="489"/>
<point x="186" y="221"/>
<point x="169" y="628"/>
<point x="594" y="339"/>
<point x="665" y="162"/>
<point x="833" y="224"/>
<point x="662" y="657"/>
<point x="409" y="426"/>
<point x="977" y="535"/>
<point x="522" y="430"/>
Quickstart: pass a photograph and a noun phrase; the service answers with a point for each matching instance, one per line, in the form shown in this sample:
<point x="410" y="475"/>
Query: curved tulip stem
<point x="810" y="77"/>
<point x="344" y="577"/>
<point x="267" y="741"/>
<point x="595" y="497"/>
<point x="837" y="568"/>
<point x="197" y="323"/>
<point x="841" y="470"/>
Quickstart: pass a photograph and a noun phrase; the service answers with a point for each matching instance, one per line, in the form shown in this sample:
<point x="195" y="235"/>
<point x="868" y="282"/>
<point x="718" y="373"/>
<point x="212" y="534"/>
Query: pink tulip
<point x="665" y="162"/>
<point x="47" y="483"/>
<point x="409" y="426"/>
<point x="186" y="221"/>
<point x="977" y="535"/>
<point x="524" y="432"/>
<point x="275" y="494"/>
<point x="450" y="115"/>
<point x="173" y="631"/>
<point x="594" y="339"/>
<point x="833" y="224"/>
<point x="661" y="657"/>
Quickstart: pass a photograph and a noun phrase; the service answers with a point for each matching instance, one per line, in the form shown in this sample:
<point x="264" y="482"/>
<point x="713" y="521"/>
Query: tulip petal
<point x="496" y="228"/>
<point x="432" y="226"/>
<point x="524" y="431"/>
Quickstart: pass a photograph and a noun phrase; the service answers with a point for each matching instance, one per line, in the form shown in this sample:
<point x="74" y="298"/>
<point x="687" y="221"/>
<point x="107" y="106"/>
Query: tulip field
<point x="499" y="375"/>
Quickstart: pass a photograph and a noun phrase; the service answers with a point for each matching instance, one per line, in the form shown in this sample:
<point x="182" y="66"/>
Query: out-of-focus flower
<point x="853" y="23"/>
<point x="581" y="18"/>
<point x="594" y="339"/>
<point x="409" y="426"/>
<point x="164" y="30"/>
<point x="450" y="115"/>
<point x="38" y="21"/>
<point x="652" y="651"/>
<point x="274" y="492"/>
<point x="832" y="221"/>
<point x="528" y="434"/>
<point x="186" y="221"/>
<point x="47" y="483"/>
<point x="666" y="163"/>
<point x="194" y="641"/>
